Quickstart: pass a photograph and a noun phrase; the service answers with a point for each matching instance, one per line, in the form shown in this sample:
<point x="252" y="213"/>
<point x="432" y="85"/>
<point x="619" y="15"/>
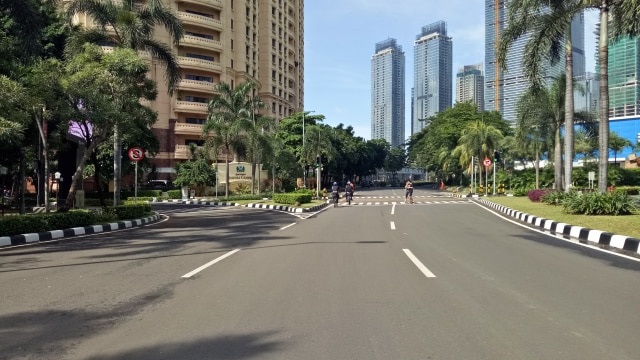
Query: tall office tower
<point x="586" y="93"/>
<point x="470" y="85"/>
<point x="624" y="72"/>
<point x="503" y="90"/>
<point x="225" y="41"/>
<point x="387" y="92"/>
<point x="432" y="74"/>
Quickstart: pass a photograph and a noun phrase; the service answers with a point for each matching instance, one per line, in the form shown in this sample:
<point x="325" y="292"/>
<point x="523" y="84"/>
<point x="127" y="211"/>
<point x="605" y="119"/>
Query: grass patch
<point x="621" y="225"/>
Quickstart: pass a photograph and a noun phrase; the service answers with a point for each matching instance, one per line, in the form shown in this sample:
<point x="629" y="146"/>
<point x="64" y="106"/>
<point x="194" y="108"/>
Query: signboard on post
<point x="136" y="154"/>
<point x="487" y="162"/>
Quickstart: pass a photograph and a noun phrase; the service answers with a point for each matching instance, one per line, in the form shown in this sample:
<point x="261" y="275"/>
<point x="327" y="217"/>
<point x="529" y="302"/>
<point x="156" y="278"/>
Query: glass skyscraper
<point x="432" y="74"/>
<point x="470" y="85"/>
<point x="504" y="89"/>
<point x="387" y="92"/>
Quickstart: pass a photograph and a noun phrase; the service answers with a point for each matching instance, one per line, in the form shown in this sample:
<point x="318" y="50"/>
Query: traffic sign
<point x="136" y="154"/>
<point x="487" y="162"/>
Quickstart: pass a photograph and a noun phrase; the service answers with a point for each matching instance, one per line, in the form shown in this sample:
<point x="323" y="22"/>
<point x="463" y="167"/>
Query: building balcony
<point x="214" y="4"/>
<point x="188" y="129"/>
<point x="189" y="107"/>
<point x="196" y="85"/>
<point x="199" y="20"/>
<point x="199" y="64"/>
<point x="201" y="43"/>
<point x="182" y="153"/>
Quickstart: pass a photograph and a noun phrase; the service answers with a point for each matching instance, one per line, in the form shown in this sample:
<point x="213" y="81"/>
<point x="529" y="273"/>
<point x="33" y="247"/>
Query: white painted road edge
<point x="393" y="225"/>
<point x="290" y="225"/>
<point x="188" y="275"/>
<point x="419" y="264"/>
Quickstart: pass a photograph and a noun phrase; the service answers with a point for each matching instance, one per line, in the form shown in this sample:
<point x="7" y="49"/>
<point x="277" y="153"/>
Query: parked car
<point x="163" y="185"/>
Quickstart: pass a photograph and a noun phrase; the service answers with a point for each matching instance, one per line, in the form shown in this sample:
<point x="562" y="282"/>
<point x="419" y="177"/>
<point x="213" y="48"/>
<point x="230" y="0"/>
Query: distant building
<point x="432" y="72"/>
<point x="387" y="92"/>
<point x="503" y="89"/>
<point x="470" y="85"/>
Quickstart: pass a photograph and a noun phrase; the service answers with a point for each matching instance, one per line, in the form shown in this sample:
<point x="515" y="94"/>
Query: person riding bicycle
<point x="408" y="187"/>
<point x="348" y="190"/>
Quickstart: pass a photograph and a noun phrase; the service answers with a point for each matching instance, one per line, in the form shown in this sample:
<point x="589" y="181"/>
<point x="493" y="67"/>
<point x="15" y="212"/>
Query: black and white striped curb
<point x="583" y="235"/>
<point x="58" y="234"/>
<point x="198" y="202"/>
<point x="434" y="202"/>
<point x="287" y="208"/>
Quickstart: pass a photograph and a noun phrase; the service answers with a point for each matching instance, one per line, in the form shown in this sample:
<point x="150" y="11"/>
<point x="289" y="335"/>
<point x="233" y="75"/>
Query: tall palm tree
<point x="129" y="24"/>
<point x="548" y="25"/>
<point x="229" y="118"/>
<point x="617" y="143"/>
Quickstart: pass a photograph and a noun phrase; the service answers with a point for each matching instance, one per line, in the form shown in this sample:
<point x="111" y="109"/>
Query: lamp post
<point x="304" y="174"/>
<point x="3" y="172"/>
<point x="58" y="177"/>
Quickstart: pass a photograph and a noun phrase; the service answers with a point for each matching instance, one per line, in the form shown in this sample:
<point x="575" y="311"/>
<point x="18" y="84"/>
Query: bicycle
<point x="336" y="196"/>
<point x="348" y="197"/>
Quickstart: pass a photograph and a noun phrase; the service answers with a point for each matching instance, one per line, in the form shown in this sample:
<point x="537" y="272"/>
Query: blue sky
<point x="340" y="37"/>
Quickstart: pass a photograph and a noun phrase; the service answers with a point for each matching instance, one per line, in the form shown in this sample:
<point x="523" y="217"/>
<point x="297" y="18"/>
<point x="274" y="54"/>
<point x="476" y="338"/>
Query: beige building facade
<point x="230" y="41"/>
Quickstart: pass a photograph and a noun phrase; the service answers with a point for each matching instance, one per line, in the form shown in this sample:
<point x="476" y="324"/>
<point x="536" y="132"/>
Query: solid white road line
<point x="188" y="275"/>
<point x="419" y="264"/>
<point x="282" y="228"/>
<point x="393" y="225"/>
<point x="393" y="209"/>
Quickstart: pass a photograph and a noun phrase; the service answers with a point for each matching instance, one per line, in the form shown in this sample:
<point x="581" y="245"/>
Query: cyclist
<point x="408" y="187"/>
<point x="348" y="191"/>
<point x="335" y="193"/>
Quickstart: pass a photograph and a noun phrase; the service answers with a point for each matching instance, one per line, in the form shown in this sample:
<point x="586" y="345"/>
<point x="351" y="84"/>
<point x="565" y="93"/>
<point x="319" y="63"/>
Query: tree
<point x="477" y="139"/>
<point x="102" y="90"/>
<point x="11" y="131"/>
<point x="195" y="171"/>
<point x="541" y="115"/>
<point x="396" y="160"/>
<point x="258" y="142"/>
<point x="129" y="24"/>
<point x="229" y="118"/>
<point x="617" y="144"/>
<point x="548" y="25"/>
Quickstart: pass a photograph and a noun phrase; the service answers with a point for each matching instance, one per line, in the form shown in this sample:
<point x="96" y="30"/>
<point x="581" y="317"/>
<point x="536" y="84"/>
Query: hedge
<point x="174" y="194"/>
<point x="292" y="198"/>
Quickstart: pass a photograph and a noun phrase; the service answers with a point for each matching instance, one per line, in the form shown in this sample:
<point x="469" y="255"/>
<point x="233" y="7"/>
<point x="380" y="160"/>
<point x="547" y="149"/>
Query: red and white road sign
<point x="136" y="154"/>
<point x="487" y="162"/>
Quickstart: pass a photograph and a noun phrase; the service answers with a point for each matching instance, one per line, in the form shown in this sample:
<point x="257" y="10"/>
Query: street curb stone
<point x="286" y="208"/>
<point x="198" y="202"/>
<point x="59" y="234"/>
<point x="583" y="235"/>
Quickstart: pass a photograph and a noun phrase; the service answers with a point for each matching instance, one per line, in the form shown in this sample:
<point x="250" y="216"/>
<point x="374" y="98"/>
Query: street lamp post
<point x="304" y="174"/>
<point x="3" y="172"/>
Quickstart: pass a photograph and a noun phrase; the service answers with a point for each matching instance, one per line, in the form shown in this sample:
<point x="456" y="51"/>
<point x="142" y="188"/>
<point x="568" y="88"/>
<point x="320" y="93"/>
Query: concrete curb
<point x="197" y="202"/>
<point x="583" y="235"/>
<point x="59" y="234"/>
<point x="287" y="208"/>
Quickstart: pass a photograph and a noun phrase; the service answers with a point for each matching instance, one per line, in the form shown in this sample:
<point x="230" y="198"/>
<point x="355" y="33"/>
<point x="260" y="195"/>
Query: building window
<point x="198" y="142"/>
<point x="203" y="36"/>
<point x="198" y="121"/>
<point x="196" y="99"/>
<point x="199" y="78"/>
<point x="201" y="57"/>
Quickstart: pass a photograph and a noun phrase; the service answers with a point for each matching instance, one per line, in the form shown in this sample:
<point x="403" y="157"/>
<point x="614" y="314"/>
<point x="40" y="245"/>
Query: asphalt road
<point x="441" y="279"/>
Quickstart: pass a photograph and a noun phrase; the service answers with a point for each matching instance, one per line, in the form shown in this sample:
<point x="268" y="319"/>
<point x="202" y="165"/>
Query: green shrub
<point x="75" y="218"/>
<point x="243" y="197"/>
<point x="292" y="198"/>
<point x="597" y="203"/>
<point x="128" y="212"/>
<point x="174" y="194"/>
<point x="629" y="190"/>
<point x="554" y="197"/>
<point x="22" y="224"/>
<point x="142" y="193"/>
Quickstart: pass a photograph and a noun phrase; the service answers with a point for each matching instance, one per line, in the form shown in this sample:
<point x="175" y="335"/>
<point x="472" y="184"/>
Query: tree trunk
<point x="253" y="175"/>
<point x="568" y="111"/>
<point x="68" y="204"/>
<point x="40" y="121"/>
<point x="557" y="159"/>
<point x="226" y="185"/>
<point x="96" y="178"/>
<point x="537" y="166"/>
<point x="603" y="145"/>
<point x="117" y="159"/>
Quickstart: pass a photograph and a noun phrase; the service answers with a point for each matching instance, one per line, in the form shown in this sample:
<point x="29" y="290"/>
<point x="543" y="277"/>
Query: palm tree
<point x="617" y="143"/>
<point x="548" y="25"/>
<point x="541" y="113"/>
<point x="129" y="24"/>
<point x="229" y="119"/>
<point x="477" y="139"/>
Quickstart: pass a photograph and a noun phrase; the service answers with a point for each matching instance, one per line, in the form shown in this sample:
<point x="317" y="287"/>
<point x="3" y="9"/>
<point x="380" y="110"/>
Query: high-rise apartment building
<point x="503" y="89"/>
<point x="432" y="74"/>
<point x="387" y="92"/>
<point x="624" y="72"/>
<point x="225" y="41"/>
<point x="470" y="85"/>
